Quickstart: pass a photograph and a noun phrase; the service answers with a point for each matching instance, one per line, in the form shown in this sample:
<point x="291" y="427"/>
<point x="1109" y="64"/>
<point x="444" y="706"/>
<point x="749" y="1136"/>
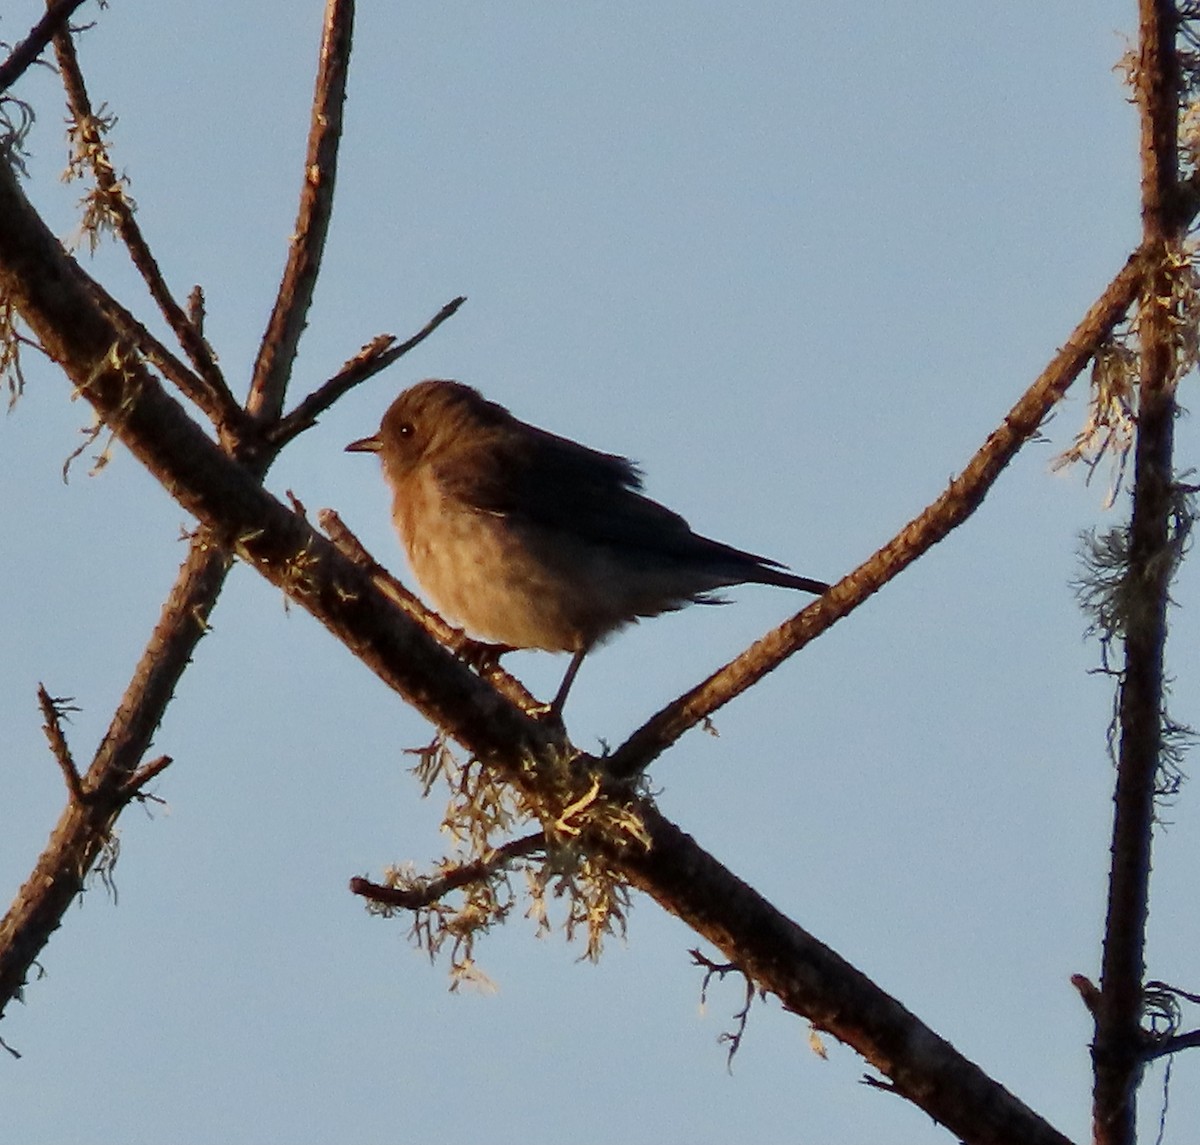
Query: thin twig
<point x="282" y="337"/>
<point x="144" y="774"/>
<point x="52" y="711"/>
<point x="1167" y="988"/>
<point x="964" y="495"/>
<point x="21" y="58"/>
<point x="191" y="385"/>
<point x="732" y="1038"/>
<point x="417" y="897"/>
<point x="377" y="355"/>
<point x="1173" y="1045"/>
<point x="207" y="387"/>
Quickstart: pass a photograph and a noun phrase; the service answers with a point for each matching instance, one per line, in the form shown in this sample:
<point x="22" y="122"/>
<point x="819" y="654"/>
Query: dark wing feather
<point x="558" y="485"/>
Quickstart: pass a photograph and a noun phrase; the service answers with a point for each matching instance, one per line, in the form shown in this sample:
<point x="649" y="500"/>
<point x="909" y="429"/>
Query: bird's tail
<point x="786" y="579"/>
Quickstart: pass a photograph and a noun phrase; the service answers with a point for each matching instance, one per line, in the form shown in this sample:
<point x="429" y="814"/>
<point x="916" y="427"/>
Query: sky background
<point x="797" y="260"/>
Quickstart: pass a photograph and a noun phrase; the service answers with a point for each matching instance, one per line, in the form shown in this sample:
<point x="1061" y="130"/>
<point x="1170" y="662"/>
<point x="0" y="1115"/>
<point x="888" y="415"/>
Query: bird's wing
<point x="557" y="484"/>
<point x="553" y="484"/>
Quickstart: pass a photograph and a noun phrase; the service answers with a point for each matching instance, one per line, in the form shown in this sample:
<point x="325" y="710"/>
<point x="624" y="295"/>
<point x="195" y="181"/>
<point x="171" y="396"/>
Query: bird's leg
<point x="556" y="705"/>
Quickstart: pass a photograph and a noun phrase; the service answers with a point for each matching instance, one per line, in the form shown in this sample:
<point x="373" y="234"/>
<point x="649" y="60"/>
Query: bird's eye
<point x="406" y="429"/>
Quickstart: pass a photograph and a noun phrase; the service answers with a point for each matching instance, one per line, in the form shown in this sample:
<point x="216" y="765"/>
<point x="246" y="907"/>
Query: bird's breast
<point x="477" y="570"/>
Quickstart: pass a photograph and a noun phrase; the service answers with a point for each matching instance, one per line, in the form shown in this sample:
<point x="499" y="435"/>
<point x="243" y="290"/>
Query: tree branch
<point x="282" y="336"/>
<point x="113" y="779"/>
<point x="964" y="495"/>
<point x="1173" y="1045"/>
<point x="135" y="785"/>
<point x="1118" y="1048"/>
<point x="22" y="57"/>
<point x="428" y="892"/>
<point x="481" y="657"/>
<point x="814" y="981"/>
<point x="52" y="710"/>
<point x="207" y="387"/>
<point x="377" y="355"/>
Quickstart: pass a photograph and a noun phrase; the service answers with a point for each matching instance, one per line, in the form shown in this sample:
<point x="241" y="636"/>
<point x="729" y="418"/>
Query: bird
<point x="531" y="540"/>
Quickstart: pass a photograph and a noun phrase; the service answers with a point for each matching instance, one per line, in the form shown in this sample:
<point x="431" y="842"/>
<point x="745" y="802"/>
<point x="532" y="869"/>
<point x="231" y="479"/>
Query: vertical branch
<point x="282" y="336"/>
<point x="1117" y="1051"/>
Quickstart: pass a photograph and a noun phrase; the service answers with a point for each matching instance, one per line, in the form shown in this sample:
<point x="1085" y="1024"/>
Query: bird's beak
<point x="370" y="444"/>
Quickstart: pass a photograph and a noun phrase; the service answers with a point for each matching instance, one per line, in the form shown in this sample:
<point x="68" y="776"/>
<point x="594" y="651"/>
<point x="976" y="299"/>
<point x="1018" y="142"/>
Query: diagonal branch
<point x="1174" y="1045"/>
<point x="113" y="779"/>
<point x="208" y="390"/>
<point x="21" y="58"/>
<point x="282" y="336"/>
<point x="483" y="657"/>
<point x="814" y="981"/>
<point x="227" y="416"/>
<point x="964" y="495"/>
<point x="377" y="355"/>
<point x="52" y="713"/>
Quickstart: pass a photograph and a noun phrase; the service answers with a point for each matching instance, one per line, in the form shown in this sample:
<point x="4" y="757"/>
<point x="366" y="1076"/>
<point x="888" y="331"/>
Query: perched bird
<point x="531" y="540"/>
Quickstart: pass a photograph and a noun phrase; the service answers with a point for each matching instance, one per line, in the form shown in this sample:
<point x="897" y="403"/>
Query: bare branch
<point x="430" y="891"/>
<point x="282" y="336"/>
<point x="227" y="416"/>
<point x="1166" y="987"/>
<point x="964" y="495"/>
<point x="1118" y="1046"/>
<point x="52" y="712"/>
<point x="84" y="829"/>
<point x="374" y="357"/>
<point x="134" y="786"/>
<point x="1188" y="1041"/>
<point x="208" y="390"/>
<point x="814" y="981"/>
<point x="27" y="51"/>
<point x="732" y="1038"/>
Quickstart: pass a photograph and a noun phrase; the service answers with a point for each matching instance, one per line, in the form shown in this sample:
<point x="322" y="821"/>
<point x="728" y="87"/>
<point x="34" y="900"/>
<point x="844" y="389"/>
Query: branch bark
<point x="23" y="56"/>
<point x="207" y="386"/>
<point x="1118" y="1048"/>
<point x="97" y="798"/>
<point x="814" y="981"/>
<point x="282" y="338"/>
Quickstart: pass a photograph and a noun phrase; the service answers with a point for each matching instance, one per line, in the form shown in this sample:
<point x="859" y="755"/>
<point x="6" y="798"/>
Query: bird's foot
<point x="480" y="655"/>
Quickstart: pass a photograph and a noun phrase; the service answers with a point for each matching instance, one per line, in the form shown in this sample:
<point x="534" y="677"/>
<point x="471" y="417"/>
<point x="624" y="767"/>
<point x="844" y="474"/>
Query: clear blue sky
<point x="796" y="260"/>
